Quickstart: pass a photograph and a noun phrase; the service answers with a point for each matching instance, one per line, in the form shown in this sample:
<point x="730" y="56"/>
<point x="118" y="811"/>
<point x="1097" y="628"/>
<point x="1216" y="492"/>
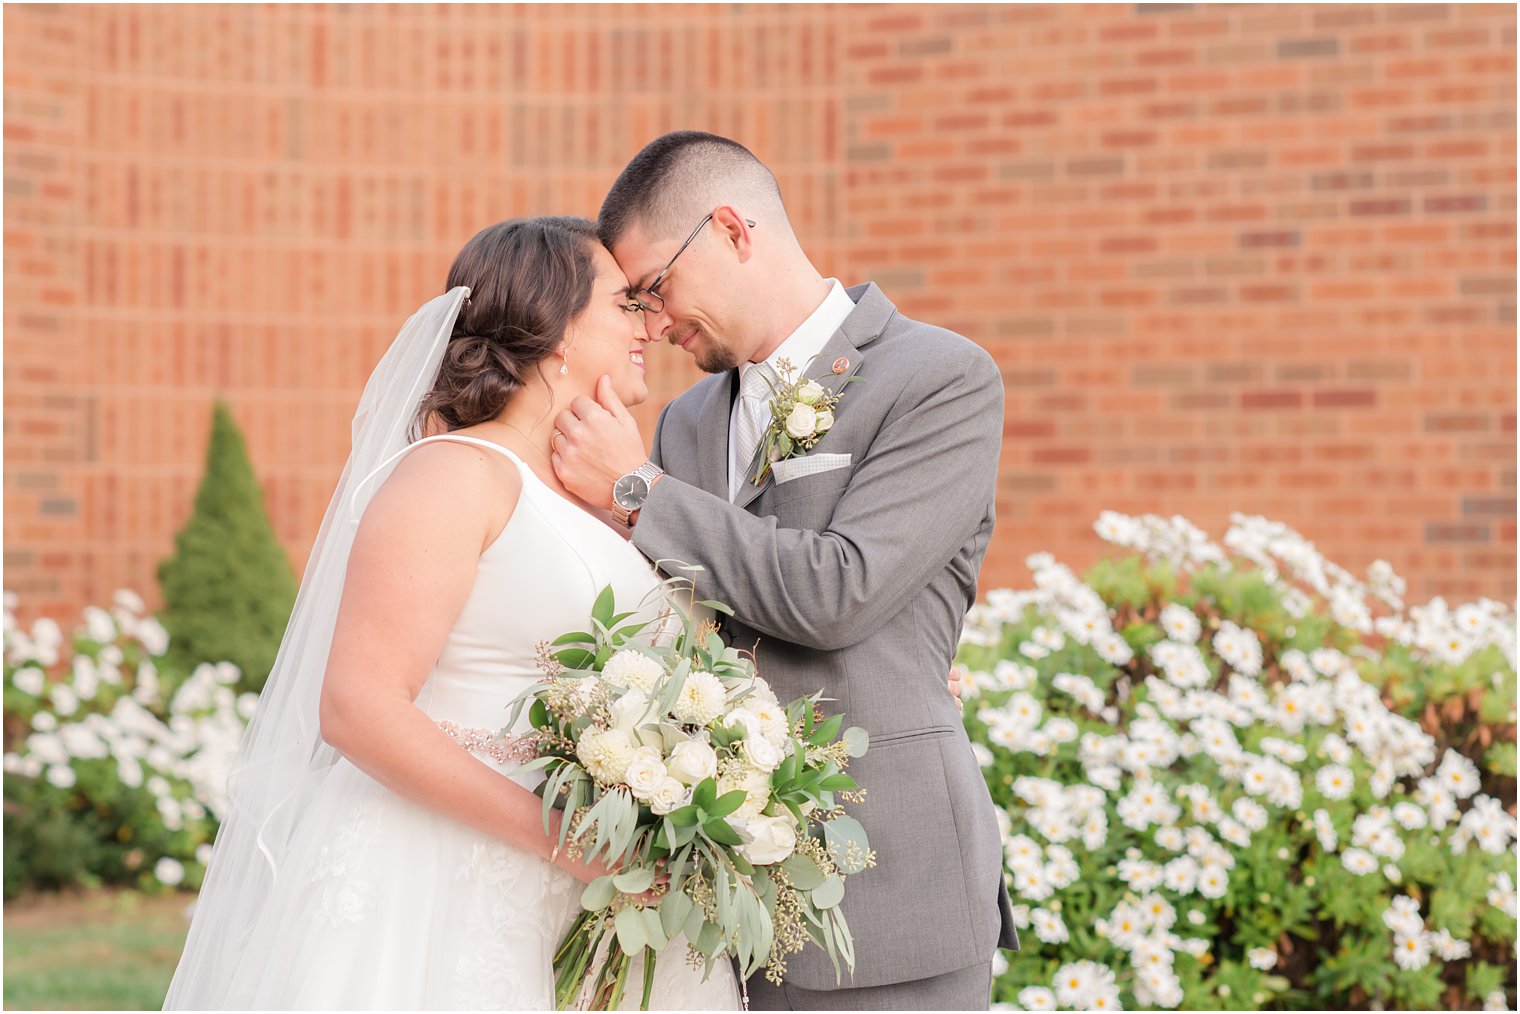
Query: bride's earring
<point x="564" y="364"/>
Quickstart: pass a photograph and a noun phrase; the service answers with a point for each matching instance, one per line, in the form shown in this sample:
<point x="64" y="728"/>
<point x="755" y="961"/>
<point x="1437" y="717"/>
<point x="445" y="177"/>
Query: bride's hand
<point x="594" y="444"/>
<point x="647" y="899"/>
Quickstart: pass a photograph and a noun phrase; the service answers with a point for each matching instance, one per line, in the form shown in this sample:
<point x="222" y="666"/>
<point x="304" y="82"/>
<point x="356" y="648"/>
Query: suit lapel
<point x="873" y="312"/>
<point x="712" y="436"/>
<point x="840" y="346"/>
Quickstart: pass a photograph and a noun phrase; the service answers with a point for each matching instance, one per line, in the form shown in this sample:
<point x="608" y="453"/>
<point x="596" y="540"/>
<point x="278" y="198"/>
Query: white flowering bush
<point x="115" y="769"/>
<point x="1238" y="777"/>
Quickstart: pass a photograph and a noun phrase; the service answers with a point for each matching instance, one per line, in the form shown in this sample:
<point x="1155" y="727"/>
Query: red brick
<point x="1214" y="279"/>
<point x="1272" y="400"/>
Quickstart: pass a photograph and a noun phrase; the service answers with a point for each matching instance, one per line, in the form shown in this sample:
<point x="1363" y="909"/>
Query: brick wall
<point x="1252" y="258"/>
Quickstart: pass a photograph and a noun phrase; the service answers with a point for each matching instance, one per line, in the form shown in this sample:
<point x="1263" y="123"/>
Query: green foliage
<point x="228" y="589"/>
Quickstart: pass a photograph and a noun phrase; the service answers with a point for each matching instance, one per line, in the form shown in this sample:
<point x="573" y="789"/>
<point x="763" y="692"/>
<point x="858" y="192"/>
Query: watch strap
<point x="647" y="471"/>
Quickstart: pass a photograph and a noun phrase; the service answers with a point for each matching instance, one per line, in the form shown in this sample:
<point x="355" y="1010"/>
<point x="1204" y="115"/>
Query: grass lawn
<point x="101" y="950"/>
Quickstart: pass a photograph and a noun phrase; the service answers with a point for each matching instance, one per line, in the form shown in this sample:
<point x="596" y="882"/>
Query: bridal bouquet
<point x="676" y="760"/>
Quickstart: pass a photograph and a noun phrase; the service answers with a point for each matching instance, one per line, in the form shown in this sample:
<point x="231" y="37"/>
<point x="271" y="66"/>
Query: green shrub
<point x="1213" y="799"/>
<point x="228" y="589"/>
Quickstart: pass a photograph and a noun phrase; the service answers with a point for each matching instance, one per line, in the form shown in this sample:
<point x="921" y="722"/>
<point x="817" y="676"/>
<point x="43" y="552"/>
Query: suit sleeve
<point x="655" y="454"/>
<point x="923" y="488"/>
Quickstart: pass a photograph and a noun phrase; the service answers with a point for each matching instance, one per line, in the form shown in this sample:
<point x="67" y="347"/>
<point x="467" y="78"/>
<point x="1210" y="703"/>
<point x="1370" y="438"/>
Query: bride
<point x="376" y="852"/>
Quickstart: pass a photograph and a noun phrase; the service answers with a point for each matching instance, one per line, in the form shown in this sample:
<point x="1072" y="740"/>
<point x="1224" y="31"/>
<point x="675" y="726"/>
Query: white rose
<point x="671" y="795"/>
<point x="630" y="711"/>
<point x="809" y="393"/>
<point x="629" y="668"/>
<point x="692" y="761"/>
<point x="803" y="421"/>
<point x="772" y="839"/>
<point x="825" y="421"/>
<point x="645" y="772"/>
<point x="761" y="753"/>
<point x="606" y="754"/>
<point x="701" y="700"/>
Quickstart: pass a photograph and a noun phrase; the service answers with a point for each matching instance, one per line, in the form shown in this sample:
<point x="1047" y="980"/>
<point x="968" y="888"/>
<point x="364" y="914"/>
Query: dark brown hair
<point x="528" y="279"/>
<point x="659" y="186"/>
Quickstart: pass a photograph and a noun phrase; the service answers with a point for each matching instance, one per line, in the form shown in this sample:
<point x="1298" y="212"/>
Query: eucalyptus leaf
<point x="802" y="871"/>
<point x="841" y="833"/>
<point x="695" y="919"/>
<point x="673" y="912"/>
<point x="633" y="881"/>
<point x="717" y="607"/>
<point x="598" y="894"/>
<point x="709" y="939"/>
<point x="856" y="740"/>
<point x="654" y="932"/>
<point x="630" y="931"/>
<point x="829" y="892"/>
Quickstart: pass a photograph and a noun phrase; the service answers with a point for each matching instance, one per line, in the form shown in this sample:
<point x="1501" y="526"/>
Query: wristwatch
<point x="631" y="490"/>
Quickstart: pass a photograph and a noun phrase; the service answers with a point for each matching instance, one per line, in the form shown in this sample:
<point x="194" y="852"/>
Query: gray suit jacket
<point x="856" y="580"/>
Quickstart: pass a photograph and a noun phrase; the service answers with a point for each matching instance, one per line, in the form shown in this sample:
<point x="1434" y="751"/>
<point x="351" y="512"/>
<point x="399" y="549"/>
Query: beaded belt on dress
<point x="485" y="743"/>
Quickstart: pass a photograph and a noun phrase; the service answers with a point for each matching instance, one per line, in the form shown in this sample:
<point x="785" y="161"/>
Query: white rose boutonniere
<point x="802" y="411"/>
<point x="802" y="422"/>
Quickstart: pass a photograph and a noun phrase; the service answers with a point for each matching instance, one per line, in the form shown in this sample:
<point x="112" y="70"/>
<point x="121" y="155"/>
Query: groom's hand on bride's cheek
<point x="595" y="442"/>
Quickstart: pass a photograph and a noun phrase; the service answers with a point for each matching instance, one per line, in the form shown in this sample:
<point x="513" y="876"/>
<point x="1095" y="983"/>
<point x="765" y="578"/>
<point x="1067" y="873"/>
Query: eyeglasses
<point x="650" y="301"/>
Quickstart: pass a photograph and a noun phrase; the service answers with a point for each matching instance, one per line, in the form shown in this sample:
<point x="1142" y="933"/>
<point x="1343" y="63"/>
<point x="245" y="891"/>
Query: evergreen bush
<point x="228" y="589"/>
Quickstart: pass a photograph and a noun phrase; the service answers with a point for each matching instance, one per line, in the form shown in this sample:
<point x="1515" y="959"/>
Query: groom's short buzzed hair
<point x="678" y="178"/>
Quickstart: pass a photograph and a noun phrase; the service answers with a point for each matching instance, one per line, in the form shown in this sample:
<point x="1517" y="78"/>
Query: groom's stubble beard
<point x="712" y="355"/>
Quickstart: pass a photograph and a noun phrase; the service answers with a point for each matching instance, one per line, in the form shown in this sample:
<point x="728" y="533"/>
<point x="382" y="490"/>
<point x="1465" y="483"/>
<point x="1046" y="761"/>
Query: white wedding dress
<point x="383" y="903"/>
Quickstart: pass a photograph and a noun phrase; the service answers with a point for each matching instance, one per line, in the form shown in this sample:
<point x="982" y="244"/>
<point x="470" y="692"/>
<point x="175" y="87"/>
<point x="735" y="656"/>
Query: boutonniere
<point x="802" y="411"/>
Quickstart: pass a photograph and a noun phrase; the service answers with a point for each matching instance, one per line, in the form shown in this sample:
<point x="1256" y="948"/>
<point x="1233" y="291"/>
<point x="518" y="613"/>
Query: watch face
<point x="630" y="492"/>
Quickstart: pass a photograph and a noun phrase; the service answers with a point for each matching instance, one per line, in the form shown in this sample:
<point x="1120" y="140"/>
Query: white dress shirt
<point x="800" y="347"/>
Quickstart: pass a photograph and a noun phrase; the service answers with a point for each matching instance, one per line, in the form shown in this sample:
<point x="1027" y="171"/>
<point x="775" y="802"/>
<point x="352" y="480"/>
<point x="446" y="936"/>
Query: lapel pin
<point x="841" y="364"/>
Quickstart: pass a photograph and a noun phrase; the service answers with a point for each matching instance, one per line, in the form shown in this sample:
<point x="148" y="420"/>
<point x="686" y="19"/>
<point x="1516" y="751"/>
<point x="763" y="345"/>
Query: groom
<point x="852" y="563"/>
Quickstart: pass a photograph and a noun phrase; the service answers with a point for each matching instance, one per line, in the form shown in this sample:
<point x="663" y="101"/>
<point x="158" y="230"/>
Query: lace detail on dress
<point x="342" y="897"/>
<point x="485" y="743"/>
<point x="501" y="930"/>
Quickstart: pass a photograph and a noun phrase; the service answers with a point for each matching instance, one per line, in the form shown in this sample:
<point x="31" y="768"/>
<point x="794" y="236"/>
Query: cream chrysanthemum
<point x="701" y="699"/>
<point x="634" y="669"/>
<point x="606" y="754"/>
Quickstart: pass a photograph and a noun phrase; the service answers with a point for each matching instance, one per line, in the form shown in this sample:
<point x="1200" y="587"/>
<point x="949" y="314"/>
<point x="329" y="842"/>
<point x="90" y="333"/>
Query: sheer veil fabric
<point x="283" y="760"/>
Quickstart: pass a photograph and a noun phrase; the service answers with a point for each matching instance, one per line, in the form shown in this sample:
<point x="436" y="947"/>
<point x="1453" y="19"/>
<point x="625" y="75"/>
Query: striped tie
<point x="754" y="415"/>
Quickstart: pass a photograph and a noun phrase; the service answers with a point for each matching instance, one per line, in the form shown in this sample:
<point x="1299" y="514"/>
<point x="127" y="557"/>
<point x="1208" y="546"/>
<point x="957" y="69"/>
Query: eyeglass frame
<point x="649" y="289"/>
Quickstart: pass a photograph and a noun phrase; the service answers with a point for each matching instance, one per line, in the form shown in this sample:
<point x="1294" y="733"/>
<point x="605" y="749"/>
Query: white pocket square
<point x="809" y="464"/>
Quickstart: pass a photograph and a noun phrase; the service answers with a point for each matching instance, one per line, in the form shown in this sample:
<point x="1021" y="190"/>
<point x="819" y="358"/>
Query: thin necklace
<point x="556" y="483"/>
<point x="529" y="441"/>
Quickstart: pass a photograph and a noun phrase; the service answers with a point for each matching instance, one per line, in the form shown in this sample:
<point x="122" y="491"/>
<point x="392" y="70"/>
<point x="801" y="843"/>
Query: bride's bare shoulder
<point x="459" y="484"/>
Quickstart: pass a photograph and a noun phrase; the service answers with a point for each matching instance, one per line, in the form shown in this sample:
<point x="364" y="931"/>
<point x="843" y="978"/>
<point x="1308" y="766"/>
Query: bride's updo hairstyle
<point x="528" y="279"/>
